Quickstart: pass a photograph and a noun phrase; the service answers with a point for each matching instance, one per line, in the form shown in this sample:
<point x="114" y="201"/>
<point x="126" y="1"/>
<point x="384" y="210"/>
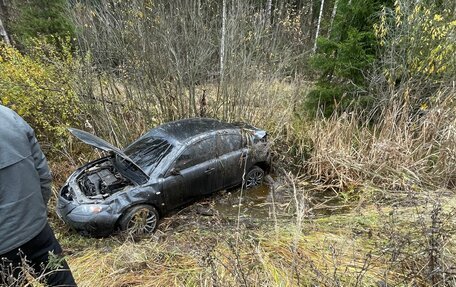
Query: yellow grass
<point x="343" y="249"/>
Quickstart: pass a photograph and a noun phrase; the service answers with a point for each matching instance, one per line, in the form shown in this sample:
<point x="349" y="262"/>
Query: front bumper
<point x="85" y="221"/>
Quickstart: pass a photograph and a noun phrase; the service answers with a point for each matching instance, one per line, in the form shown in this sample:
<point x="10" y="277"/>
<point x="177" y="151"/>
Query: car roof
<point x="184" y="130"/>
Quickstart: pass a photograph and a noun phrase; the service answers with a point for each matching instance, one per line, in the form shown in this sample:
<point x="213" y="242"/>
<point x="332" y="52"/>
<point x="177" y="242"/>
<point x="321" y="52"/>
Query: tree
<point x="3" y="15"/>
<point x="417" y="48"/>
<point x="40" y="18"/>
<point x="343" y="58"/>
<point x="3" y="33"/>
<point x="318" y="25"/>
<point x="333" y="15"/>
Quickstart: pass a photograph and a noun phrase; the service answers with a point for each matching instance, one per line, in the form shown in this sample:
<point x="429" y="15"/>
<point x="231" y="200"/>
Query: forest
<point x="358" y="98"/>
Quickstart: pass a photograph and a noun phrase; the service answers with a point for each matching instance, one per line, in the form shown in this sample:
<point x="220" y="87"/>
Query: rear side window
<point x="227" y="143"/>
<point x="197" y="153"/>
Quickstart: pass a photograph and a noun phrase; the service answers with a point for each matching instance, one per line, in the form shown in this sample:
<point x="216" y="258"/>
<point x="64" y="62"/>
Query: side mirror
<point x="175" y="171"/>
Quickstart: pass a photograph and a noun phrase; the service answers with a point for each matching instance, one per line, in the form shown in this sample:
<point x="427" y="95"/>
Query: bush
<point x="417" y="51"/>
<point x="39" y="87"/>
<point x="39" y="18"/>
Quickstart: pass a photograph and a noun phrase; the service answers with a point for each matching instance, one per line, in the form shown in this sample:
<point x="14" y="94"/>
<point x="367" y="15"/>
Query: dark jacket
<point x="25" y="182"/>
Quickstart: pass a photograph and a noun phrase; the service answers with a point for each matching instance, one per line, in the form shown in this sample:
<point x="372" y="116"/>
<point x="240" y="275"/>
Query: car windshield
<point x="148" y="152"/>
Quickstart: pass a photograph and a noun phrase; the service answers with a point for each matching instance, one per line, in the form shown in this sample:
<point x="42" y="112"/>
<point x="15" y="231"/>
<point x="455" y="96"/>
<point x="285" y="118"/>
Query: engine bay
<point x="102" y="180"/>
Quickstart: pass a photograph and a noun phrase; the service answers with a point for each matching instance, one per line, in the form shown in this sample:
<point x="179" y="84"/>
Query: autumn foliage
<point x="39" y="87"/>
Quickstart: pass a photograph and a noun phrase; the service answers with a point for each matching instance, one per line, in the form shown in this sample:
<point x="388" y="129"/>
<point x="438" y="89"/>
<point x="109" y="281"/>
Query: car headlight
<point x="89" y="209"/>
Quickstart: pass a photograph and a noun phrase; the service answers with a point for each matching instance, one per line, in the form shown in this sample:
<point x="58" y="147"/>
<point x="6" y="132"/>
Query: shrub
<point x="39" y="18"/>
<point x="39" y="87"/>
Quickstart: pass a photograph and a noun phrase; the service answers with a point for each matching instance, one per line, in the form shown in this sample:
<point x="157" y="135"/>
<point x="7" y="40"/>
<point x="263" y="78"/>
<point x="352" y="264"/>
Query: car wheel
<point x="254" y="177"/>
<point x="139" y="219"/>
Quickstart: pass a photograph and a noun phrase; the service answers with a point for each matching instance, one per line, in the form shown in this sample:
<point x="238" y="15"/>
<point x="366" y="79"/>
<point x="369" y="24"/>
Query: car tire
<point x="254" y="177"/>
<point x="139" y="219"/>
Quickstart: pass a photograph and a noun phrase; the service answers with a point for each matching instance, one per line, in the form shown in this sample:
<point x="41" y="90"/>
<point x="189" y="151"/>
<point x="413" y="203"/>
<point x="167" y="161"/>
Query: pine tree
<point x="343" y="57"/>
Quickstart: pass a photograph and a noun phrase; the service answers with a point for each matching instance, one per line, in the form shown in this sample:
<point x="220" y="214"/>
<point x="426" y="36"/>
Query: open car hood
<point x="103" y="145"/>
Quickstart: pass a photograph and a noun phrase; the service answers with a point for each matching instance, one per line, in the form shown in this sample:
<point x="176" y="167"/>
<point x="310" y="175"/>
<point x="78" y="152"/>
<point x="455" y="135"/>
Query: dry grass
<point x="211" y="259"/>
<point x="401" y="150"/>
<point x="374" y="244"/>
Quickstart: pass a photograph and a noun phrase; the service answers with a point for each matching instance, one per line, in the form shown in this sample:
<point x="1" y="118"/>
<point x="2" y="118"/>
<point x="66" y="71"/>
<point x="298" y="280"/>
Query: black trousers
<point x="36" y="253"/>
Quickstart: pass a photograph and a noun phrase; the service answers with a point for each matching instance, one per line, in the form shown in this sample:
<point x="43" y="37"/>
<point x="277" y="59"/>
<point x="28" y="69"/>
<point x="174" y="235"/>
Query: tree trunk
<point x="268" y="12"/>
<point x="318" y="25"/>
<point x="222" y="41"/>
<point x="3" y="13"/>
<point x="3" y="33"/>
<point x="310" y="21"/>
<point x="333" y="15"/>
<point x="222" y="56"/>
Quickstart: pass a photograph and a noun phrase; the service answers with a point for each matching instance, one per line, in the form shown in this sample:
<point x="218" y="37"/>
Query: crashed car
<point x="170" y="166"/>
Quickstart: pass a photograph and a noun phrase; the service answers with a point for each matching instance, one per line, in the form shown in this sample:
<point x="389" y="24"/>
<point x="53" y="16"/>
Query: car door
<point x="194" y="173"/>
<point x="231" y="157"/>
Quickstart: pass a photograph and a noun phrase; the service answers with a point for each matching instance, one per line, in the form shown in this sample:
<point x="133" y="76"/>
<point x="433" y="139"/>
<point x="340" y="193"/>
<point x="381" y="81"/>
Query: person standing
<point x="25" y="189"/>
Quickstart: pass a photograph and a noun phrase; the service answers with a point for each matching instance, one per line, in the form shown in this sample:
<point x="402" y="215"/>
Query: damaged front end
<point x="84" y="200"/>
<point x="97" y="181"/>
<point x="96" y="194"/>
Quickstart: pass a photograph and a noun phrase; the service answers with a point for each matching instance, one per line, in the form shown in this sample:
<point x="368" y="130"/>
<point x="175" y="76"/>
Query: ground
<point x="258" y="241"/>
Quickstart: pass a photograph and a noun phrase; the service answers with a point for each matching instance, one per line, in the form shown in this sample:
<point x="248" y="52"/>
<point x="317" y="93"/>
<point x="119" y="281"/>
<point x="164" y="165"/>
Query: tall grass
<point x="375" y="246"/>
<point x="400" y="150"/>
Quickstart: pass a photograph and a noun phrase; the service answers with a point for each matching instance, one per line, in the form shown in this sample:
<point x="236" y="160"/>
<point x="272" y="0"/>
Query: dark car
<point x="166" y="168"/>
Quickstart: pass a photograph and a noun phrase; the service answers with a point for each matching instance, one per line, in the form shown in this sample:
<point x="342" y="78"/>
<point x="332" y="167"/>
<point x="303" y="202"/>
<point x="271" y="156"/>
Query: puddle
<point x="265" y="204"/>
<point x="254" y="203"/>
<point x="249" y="207"/>
<point x="262" y="204"/>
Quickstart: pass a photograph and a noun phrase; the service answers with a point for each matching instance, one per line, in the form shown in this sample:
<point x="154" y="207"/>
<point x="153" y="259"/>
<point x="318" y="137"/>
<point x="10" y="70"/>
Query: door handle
<point x="209" y="170"/>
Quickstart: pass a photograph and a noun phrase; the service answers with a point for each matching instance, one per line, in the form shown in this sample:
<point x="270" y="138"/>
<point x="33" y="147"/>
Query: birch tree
<point x="3" y="12"/>
<point x="318" y="25"/>
<point x="3" y="33"/>
<point x="222" y="56"/>
<point x="222" y="41"/>
<point x="268" y="12"/>
<point x="333" y="15"/>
